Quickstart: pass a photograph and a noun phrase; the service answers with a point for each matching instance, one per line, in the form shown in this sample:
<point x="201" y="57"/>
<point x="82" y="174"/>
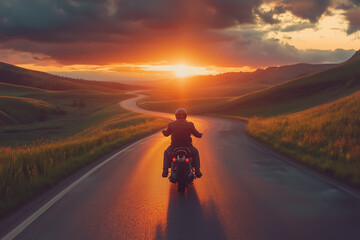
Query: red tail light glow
<point x="187" y="160"/>
<point x="174" y="159"/>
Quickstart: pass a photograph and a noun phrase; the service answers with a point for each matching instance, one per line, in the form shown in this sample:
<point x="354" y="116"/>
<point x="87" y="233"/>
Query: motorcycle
<point x="182" y="170"/>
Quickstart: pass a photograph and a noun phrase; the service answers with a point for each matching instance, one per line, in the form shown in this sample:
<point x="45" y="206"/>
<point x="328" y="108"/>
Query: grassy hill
<point x="29" y="96"/>
<point x="25" y="110"/>
<point x="325" y="137"/>
<point x="270" y="75"/>
<point x="287" y="97"/>
<point x="25" y="77"/>
<point x="7" y="89"/>
<point x="201" y="92"/>
<point x="231" y="84"/>
<point x="294" y="95"/>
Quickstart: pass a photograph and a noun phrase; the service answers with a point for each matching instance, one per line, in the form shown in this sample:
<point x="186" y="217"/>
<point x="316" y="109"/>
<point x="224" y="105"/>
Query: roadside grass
<point x="46" y="135"/>
<point x="326" y="137"/>
<point x="27" y="170"/>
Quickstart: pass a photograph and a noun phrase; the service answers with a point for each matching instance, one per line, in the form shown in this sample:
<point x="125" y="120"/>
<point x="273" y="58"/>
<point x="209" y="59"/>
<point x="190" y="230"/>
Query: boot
<point x="165" y="173"/>
<point x="198" y="174"/>
<point x="172" y="177"/>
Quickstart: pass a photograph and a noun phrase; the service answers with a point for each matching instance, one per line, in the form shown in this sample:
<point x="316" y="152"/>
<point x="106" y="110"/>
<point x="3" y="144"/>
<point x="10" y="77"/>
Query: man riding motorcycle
<point x="180" y="131"/>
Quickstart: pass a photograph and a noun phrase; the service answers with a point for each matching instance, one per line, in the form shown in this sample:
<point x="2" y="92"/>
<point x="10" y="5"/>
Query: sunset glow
<point x="184" y="71"/>
<point x="141" y="71"/>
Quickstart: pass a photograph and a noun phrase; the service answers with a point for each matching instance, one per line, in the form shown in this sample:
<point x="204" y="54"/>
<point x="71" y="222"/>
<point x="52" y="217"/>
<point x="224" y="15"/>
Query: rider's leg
<point x="196" y="158"/>
<point x="166" y="162"/>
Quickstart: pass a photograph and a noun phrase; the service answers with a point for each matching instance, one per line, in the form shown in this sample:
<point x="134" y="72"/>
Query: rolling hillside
<point x="19" y="110"/>
<point x="28" y="96"/>
<point x="232" y="84"/>
<point x="295" y="95"/>
<point x="36" y="105"/>
<point x="20" y="76"/>
<point x="205" y="91"/>
<point x="270" y="75"/>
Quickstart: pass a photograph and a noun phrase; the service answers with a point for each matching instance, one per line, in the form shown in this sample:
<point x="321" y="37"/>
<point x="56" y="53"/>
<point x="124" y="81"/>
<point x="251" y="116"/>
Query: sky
<point x="132" y="40"/>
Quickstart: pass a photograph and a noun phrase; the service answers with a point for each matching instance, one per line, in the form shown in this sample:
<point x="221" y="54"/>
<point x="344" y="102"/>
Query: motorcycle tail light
<point x="187" y="160"/>
<point x="174" y="159"/>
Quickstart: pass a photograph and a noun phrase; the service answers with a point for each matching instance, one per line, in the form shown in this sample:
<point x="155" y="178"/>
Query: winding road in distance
<point x="247" y="192"/>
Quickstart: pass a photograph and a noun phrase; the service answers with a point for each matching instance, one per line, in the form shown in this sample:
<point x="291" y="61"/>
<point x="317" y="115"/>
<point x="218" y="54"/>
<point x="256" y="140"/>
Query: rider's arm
<point x="167" y="132"/>
<point x="195" y="132"/>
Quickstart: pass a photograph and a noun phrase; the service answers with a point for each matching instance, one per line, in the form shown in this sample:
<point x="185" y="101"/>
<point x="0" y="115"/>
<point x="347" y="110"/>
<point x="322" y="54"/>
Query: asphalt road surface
<point x="246" y="192"/>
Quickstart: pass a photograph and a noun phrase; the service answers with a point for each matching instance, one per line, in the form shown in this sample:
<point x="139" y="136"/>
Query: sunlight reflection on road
<point x="197" y="202"/>
<point x="145" y="196"/>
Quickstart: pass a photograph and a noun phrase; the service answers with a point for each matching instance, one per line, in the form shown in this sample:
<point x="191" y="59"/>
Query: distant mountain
<point x="25" y="77"/>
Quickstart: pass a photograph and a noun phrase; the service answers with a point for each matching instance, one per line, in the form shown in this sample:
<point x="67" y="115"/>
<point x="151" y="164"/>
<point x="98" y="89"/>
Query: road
<point x="247" y="192"/>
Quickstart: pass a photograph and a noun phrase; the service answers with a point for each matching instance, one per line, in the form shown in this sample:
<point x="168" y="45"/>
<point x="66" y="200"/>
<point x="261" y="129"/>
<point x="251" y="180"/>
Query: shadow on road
<point x="187" y="219"/>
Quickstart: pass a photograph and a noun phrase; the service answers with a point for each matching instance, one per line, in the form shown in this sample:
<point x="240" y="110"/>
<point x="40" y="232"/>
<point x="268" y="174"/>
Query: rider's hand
<point x="163" y="132"/>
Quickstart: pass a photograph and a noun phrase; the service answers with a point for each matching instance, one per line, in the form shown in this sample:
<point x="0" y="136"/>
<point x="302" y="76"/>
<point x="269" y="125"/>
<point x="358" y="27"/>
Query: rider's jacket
<point x="180" y="131"/>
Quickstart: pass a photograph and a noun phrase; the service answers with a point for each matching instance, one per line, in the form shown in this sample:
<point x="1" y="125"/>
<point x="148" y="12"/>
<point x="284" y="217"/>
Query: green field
<point x="50" y="127"/>
<point x="19" y="110"/>
<point x="170" y="106"/>
<point x="325" y="137"/>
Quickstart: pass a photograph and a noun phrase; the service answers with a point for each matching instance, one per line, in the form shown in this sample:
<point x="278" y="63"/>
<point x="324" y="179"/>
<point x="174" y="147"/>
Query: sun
<point x="183" y="71"/>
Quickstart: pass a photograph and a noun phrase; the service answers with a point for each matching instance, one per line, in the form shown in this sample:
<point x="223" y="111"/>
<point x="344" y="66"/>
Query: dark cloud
<point x="307" y="9"/>
<point x="231" y="12"/>
<point x="267" y="16"/>
<point x="310" y="10"/>
<point x="79" y="30"/>
<point x="279" y="9"/>
<point x="353" y="17"/>
<point x="114" y="20"/>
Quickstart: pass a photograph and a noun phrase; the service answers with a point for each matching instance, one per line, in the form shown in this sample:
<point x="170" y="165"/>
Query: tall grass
<point x="326" y="137"/>
<point x="26" y="170"/>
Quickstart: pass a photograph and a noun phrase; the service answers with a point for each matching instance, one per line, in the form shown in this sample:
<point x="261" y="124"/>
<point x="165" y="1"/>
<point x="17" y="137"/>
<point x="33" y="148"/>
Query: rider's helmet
<point x="180" y="113"/>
